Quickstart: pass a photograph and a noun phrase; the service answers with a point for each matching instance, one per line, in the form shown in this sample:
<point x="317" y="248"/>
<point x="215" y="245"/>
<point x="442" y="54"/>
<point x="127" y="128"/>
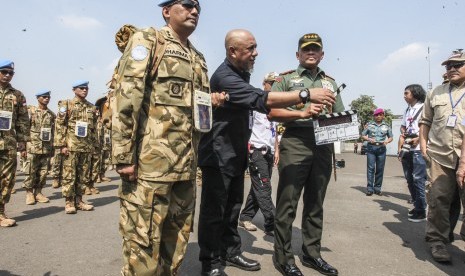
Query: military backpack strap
<point x="160" y="49"/>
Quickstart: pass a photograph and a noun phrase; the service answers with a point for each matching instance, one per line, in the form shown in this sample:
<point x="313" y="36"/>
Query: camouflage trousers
<point x="76" y="173"/>
<point x="105" y="161"/>
<point x="57" y="164"/>
<point x="36" y="173"/>
<point x="156" y="219"/>
<point x="8" y="164"/>
<point x="96" y="162"/>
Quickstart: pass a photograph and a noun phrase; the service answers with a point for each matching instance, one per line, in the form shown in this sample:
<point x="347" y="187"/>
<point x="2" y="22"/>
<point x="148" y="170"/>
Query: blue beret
<point x="165" y="2"/>
<point x="43" y="92"/>
<point x="6" y="63"/>
<point x="80" y="83"/>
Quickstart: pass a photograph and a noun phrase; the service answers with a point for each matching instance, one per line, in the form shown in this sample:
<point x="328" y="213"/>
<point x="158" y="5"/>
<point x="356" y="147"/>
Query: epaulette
<point x="329" y="77"/>
<point x="287" y="72"/>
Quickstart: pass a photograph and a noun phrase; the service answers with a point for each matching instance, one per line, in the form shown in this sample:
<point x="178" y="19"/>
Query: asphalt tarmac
<point x="362" y="235"/>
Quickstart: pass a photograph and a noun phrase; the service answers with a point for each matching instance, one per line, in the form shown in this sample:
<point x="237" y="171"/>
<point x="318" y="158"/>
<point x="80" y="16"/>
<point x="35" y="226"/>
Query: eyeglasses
<point x="455" y="65"/>
<point x="83" y="87"/>
<point x="189" y="4"/>
<point x="7" y="72"/>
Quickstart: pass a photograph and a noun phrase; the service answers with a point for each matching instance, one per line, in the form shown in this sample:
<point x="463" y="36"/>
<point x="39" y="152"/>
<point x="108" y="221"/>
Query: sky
<point x="376" y="48"/>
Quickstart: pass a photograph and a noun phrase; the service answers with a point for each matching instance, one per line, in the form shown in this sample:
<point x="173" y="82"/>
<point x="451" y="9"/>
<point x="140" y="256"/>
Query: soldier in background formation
<point x="56" y="168"/>
<point x="75" y="135"/>
<point x="39" y="149"/>
<point x="14" y="133"/>
<point x="104" y="126"/>
<point x="95" y="159"/>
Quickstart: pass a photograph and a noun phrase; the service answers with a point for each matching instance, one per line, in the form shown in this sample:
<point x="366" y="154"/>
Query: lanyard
<point x="451" y="101"/>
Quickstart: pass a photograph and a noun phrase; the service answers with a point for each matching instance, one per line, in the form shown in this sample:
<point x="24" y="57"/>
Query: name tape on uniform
<point x="338" y="126"/>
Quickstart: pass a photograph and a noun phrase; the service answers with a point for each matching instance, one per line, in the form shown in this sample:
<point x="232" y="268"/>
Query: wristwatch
<point x="304" y="95"/>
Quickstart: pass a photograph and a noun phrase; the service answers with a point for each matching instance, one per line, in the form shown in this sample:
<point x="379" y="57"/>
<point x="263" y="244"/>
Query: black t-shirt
<point x="225" y="146"/>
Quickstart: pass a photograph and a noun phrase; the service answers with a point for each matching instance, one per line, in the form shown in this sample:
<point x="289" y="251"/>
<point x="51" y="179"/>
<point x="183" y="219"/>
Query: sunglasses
<point x="455" y="65"/>
<point x="83" y="87"/>
<point x="189" y="4"/>
<point x="7" y="72"/>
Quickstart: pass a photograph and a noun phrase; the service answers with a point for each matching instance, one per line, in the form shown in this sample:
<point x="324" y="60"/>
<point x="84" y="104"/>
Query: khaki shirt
<point x="12" y="100"/>
<point x="70" y="114"/>
<point x="153" y="125"/>
<point x="444" y="143"/>
<point x="41" y="120"/>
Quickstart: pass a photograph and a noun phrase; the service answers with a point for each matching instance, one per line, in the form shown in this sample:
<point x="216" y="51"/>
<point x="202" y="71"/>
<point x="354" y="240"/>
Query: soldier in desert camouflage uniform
<point x="154" y="141"/>
<point x="14" y="133"/>
<point x="57" y="168"/>
<point x="75" y="135"/>
<point x="95" y="160"/>
<point x="104" y="138"/>
<point x="39" y="149"/>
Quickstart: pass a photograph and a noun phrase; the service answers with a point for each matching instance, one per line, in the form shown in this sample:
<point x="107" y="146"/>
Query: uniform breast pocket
<point x="174" y="83"/>
<point x="441" y="109"/>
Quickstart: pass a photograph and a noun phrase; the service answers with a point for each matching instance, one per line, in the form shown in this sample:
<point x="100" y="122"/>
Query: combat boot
<point x="30" y="199"/>
<point x="87" y="191"/>
<point x="94" y="190"/>
<point x="83" y="206"/>
<point x="40" y="197"/>
<point x="56" y="183"/>
<point x="4" y="220"/>
<point x="70" y="206"/>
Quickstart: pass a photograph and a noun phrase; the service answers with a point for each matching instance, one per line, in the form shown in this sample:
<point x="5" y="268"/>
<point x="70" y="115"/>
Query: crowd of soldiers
<point x="73" y="146"/>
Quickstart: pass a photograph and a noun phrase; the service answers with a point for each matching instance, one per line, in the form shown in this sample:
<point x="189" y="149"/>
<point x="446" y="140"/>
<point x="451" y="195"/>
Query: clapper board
<point x="334" y="127"/>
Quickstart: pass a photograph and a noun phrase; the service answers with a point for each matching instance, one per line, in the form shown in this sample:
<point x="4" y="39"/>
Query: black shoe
<point x="288" y="270"/>
<point x="319" y="265"/>
<point x="269" y="233"/>
<point x="369" y="193"/>
<point x="378" y="193"/>
<point x="243" y="263"/>
<point x="213" y="272"/>
<point x="416" y="217"/>
<point x="411" y="212"/>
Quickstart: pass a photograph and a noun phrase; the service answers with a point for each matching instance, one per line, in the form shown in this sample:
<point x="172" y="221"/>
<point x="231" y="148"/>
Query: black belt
<point x="377" y="143"/>
<point x="252" y="147"/>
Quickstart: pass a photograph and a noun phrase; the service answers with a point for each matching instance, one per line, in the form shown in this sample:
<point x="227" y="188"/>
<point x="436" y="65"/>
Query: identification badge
<point x="81" y="129"/>
<point x="5" y="120"/>
<point x="45" y="134"/>
<point x="202" y="111"/>
<point x="107" y="139"/>
<point x="451" y="121"/>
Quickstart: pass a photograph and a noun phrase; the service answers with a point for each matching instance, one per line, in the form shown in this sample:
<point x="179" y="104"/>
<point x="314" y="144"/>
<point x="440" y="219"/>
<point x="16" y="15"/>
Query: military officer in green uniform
<point x="155" y="139"/>
<point x="14" y="133"/>
<point x="302" y="164"/>
<point x="39" y="149"/>
<point x="75" y="136"/>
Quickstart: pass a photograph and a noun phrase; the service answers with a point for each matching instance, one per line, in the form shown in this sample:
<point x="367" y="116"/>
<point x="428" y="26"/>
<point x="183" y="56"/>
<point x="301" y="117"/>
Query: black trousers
<point x="220" y="205"/>
<point x="259" y="198"/>
<point x="302" y="166"/>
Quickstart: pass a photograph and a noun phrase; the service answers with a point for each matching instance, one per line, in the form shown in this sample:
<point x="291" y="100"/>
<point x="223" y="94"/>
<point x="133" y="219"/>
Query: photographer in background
<point x="409" y="153"/>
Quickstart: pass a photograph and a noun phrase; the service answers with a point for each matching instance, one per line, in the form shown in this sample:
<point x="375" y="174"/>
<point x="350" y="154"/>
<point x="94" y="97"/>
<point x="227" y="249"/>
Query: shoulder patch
<point x="139" y="53"/>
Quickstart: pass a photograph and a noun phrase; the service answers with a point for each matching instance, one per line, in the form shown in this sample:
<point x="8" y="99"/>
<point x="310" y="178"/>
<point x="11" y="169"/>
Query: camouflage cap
<point x="270" y="77"/>
<point x="457" y="55"/>
<point x="308" y="39"/>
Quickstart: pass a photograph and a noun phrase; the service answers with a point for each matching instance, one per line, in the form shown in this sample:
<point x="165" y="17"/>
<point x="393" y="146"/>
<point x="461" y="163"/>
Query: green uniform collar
<point x="302" y="70"/>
